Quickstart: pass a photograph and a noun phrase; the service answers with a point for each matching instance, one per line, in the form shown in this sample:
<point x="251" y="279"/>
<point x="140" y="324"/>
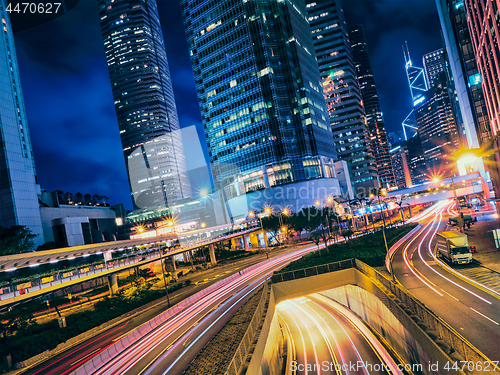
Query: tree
<point x="47" y="246"/>
<point x="78" y="197"/>
<point x="87" y="198"/>
<point x="68" y="197"/>
<point x="271" y="224"/>
<point x="16" y="239"/>
<point x="347" y="234"/>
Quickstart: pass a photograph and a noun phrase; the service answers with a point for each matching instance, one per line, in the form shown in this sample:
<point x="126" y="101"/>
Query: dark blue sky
<point x="70" y="108"/>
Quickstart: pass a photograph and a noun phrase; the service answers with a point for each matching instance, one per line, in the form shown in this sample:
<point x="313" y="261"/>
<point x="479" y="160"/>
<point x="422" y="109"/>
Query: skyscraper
<point x="19" y="188"/>
<point x="436" y="126"/>
<point x="400" y="156"/>
<point x="144" y="102"/>
<point x="434" y="63"/>
<point x="464" y="69"/>
<point x="342" y="92"/>
<point x="371" y="103"/>
<point x="484" y="30"/>
<point x="265" y="118"/>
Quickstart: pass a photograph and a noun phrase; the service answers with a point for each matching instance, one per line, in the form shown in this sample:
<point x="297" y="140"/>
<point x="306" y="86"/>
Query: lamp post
<point x="383" y="232"/>
<point x="140" y="230"/>
<point x="318" y="203"/>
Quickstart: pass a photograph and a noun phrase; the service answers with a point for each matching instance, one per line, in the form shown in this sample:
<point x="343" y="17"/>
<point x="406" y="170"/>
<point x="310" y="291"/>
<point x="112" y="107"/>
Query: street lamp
<point x="383" y="230"/>
<point x="141" y="230"/>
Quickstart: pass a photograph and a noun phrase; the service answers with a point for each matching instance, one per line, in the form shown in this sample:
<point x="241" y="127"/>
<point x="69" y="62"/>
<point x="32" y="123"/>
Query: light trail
<point x="136" y="352"/>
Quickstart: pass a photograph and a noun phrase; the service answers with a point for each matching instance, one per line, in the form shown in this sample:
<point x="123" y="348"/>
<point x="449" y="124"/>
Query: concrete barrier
<point x="440" y="343"/>
<point x="396" y="246"/>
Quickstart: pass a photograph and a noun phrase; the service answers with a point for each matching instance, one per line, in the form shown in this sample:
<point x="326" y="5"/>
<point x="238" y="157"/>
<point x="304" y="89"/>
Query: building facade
<point x="144" y="102"/>
<point x="371" y="103"/>
<point x="19" y="188"/>
<point x="399" y="155"/>
<point x="434" y="63"/>
<point x="342" y="92"/>
<point x="484" y="27"/>
<point x="260" y="95"/>
<point x="464" y="69"/>
<point x="437" y="129"/>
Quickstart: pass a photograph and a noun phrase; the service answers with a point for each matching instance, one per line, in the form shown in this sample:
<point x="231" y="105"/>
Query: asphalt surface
<point x="231" y="300"/>
<point x="472" y="311"/>
<point x="324" y="341"/>
<point x="69" y="360"/>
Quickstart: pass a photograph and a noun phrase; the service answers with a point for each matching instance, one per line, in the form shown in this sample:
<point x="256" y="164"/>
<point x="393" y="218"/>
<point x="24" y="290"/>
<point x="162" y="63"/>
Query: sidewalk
<point x="481" y="236"/>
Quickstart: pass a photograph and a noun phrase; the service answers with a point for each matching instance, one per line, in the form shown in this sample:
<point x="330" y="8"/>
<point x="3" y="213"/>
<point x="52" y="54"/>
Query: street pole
<point x="385" y="243"/>
<point x="162" y="267"/>
<point x="455" y="194"/>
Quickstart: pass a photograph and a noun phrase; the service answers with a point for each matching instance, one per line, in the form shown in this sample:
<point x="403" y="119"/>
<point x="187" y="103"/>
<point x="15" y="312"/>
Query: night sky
<point x="70" y="108"/>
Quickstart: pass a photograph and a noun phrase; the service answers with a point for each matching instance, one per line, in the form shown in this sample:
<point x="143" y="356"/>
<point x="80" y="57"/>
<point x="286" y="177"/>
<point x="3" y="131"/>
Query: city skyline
<point x="73" y="67"/>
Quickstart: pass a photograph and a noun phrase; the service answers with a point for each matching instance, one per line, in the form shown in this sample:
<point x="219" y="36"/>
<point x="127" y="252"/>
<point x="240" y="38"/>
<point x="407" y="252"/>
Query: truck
<point x="454" y="247"/>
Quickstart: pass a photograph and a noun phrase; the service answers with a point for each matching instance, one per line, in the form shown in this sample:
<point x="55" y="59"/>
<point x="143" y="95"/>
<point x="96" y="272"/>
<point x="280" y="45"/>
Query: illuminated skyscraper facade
<point x="371" y="103"/>
<point x="436" y="127"/>
<point x="484" y="26"/>
<point x="19" y="188"/>
<point x="342" y="92"/>
<point x="259" y="91"/>
<point x="434" y="63"/>
<point x="144" y="102"/>
<point x="464" y="69"/>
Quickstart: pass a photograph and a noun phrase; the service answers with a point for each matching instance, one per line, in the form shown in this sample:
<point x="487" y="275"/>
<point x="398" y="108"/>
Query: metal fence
<point x="313" y="271"/>
<point x="248" y="338"/>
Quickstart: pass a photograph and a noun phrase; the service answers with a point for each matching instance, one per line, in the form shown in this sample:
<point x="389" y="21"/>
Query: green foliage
<point x="47" y="337"/>
<point x="47" y="246"/>
<point x="369" y="249"/>
<point x="15" y="240"/>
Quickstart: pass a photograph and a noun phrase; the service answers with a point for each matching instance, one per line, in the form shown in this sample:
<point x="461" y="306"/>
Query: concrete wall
<point x="52" y="213"/>
<point x="416" y="332"/>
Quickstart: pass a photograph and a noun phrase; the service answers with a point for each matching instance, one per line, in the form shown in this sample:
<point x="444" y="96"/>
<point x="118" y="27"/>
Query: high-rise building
<point x="144" y="102"/>
<point x="374" y="118"/>
<point x="416" y="161"/>
<point x="260" y="95"/>
<point x="464" y="70"/>
<point x="434" y="63"/>
<point x="436" y="127"/>
<point x="342" y="92"/>
<point x="418" y="85"/>
<point x="484" y="27"/>
<point x="19" y="188"/>
<point x="400" y="156"/>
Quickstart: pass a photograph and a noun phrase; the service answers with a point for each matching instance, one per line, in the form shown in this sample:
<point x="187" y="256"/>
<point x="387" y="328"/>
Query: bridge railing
<point x="14" y="288"/>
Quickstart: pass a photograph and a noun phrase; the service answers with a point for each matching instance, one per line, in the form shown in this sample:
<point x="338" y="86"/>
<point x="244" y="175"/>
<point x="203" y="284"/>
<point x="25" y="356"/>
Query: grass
<point x="369" y="249"/>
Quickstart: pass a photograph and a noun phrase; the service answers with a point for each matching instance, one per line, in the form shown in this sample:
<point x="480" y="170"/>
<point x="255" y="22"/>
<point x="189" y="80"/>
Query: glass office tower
<point x="144" y="102"/>
<point x="265" y="118"/>
<point x="464" y="68"/>
<point x="437" y="129"/>
<point x="374" y="118"/>
<point x="341" y="91"/>
<point x="434" y="63"/>
<point x="19" y="188"/>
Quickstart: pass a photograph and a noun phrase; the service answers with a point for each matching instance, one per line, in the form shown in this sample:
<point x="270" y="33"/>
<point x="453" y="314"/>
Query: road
<point x="471" y="309"/>
<point x="65" y="362"/>
<point x="326" y="341"/>
<point x="211" y="312"/>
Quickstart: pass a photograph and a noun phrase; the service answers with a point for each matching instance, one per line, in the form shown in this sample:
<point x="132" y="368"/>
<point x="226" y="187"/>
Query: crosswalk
<point x="484" y="276"/>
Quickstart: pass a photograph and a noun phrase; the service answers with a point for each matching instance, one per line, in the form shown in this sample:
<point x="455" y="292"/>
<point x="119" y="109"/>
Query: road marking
<point x="449" y="294"/>
<point x="88" y="355"/>
<point x="484" y="316"/>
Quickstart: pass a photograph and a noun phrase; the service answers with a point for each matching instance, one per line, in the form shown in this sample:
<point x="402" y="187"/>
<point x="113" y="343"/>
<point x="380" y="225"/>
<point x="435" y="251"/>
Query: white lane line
<point x="449" y="294"/>
<point x="484" y="316"/>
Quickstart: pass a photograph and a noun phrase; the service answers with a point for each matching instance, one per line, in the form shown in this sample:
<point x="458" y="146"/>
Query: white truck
<point x="454" y="246"/>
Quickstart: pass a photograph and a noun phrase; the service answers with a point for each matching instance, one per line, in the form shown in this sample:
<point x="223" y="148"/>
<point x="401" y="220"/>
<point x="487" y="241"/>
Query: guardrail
<point x="449" y="340"/>
<point x="392" y="250"/>
<point x="62" y="276"/>
<point x="313" y="271"/>
<point x="248" y="339"/>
